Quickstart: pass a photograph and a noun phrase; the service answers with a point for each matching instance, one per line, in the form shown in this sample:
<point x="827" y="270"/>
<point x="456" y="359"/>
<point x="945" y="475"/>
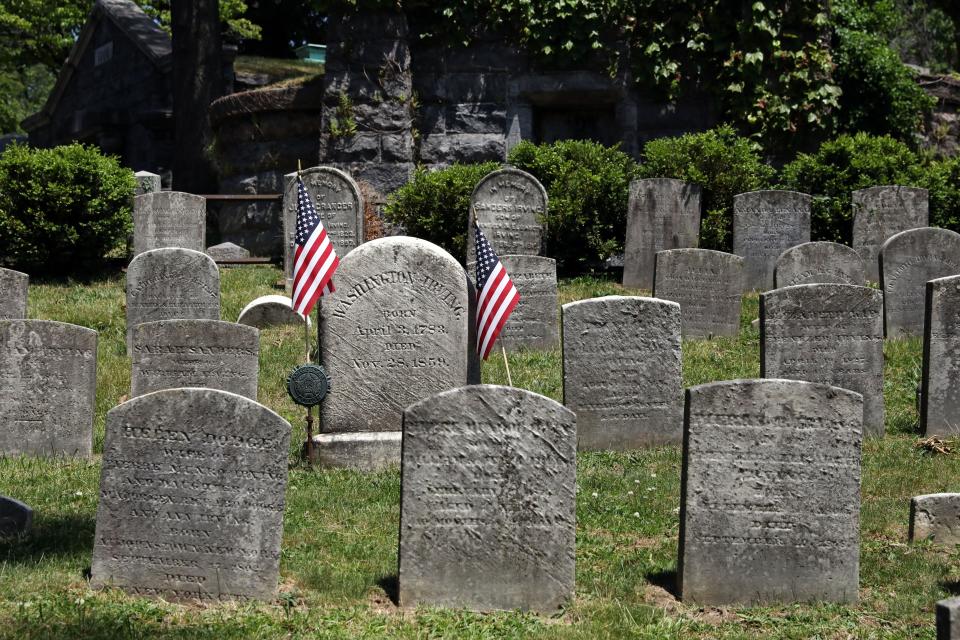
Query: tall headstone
<point x="535" y="321"/>
<point x="509" y="205"/>
<point x="908" y="261"/>
<point x="338" y="202"/>
<point x="940" y="380"/>
<point x="881" y="212"/>
<point x="819" y="263"/>
<point x="169" y="219"/>
<point x="13" y="294"/>
<point x="271" y="311"/>
<point x="827" y="333"/>
<point x="707" y="284"/>
<point x="146" y="182"/>
<point x="48" y="386"/>
<point x="16" y="518"/>
<point x="765" y="224"/>
<point x="191" y="497"/>
<point x="621" y="371"/>
<point x="770" y="493"/>
<point x="169" y="284"/>
<point x="662" y="213"/>
<point x="948" y="619"/>
<point x="394" y="332"/>
<point x="195" y="353"/>
<point x="936" y="517"/>
<point x="487" y="512"/>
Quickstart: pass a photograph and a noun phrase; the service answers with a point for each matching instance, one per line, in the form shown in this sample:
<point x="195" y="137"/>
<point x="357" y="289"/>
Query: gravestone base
<point x="361" y="450"/>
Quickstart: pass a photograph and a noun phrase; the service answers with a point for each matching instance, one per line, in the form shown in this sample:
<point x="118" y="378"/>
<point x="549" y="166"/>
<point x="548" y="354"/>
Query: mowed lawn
<point x="338" y="567"/>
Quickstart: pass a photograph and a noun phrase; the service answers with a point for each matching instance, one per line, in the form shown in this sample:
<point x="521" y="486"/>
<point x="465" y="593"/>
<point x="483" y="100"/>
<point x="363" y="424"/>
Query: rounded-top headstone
<point x="16" y="518"/>
<point x="819" y="263"/>
<point x="270" y="311"/>
<point x="227" y="252"/>
<point x="509" y="206"/>
<point x="707" y="284"/>
<point x="169" y="219"/>
<point x="884" y="211"/>
<point x="765" y="224"/>
<point x="940" y="379"/>
<point x="14" y="286"/>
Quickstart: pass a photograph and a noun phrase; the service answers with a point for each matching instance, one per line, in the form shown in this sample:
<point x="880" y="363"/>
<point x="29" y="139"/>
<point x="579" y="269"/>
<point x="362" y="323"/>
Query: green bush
<point x="62" y="206"/>
<point x="721" y="162"/>
<point x="588" y="186"/>
<point x="942" y="179"/>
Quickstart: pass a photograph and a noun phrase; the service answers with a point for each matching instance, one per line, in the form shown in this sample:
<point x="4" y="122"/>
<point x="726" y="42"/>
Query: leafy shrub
<point x="61" y="206"/>
<point x="942" y="179"/>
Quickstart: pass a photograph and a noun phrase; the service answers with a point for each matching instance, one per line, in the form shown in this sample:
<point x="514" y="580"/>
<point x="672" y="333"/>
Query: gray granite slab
<point x="940" y="377"/>
<point x="509" y="205"/>
<point x="271" y="311"/>
<point x="948" y="619"/>
<point x="936" y="517"/>
<point x="169" y="219"/>
<point x="884" y="211"/>
<point x="535" y="321"/>
<point x="819" y="263"/>
<point x="227" y="252"/>
<point x="16" y="518"/>
<point x="146" y="182"/>
<point x="765" y="224"/>
<point x="707" y="284"/>
<point x="14" y="286"/>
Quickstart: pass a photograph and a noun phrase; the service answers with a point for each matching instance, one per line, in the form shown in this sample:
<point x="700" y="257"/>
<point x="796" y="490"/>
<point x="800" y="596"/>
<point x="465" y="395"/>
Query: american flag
<point x="497" y="296"/>
<point x="314" y="259"/>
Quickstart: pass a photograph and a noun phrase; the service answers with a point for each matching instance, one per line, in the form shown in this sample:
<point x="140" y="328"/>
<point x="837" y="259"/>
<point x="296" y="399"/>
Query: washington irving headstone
<point x="940" y="378"/>
<point x="509" y="205"/>
<point x="765" y="224"/>
<point x="13" y="294"/>
<point x="169" y="219"/>
<point x="881" y="212"/>
<point x="707" y="284"/>
<point x="819" y="263"/>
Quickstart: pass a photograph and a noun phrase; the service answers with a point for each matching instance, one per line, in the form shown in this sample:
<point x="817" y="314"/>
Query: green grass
<point x="338" y="566"/>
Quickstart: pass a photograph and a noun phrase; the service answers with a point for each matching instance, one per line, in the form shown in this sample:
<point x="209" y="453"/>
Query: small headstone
<point x="707" y="284"/>
<point x="662" y="213"/>
<point x="509" y="205"/>
<point x="270" y="311"/>
<point x="16" y="518"/>
<point x="770" y="502"/>
<point x="935" y="517"/>
<point x="169" y="219"/>
<point x="488" y="501"/>
<point x="13" y="294"/>
<point x="621" y="371"/>
<point x="881" y="212"/>
<point x="227" y="252"/>
<point x="908" y="261"/>
<point x="169" y="284"/>
<point x="146" y="182"/>
<point x="819" y="263"/>
<point x="195" y="353"/>
<point x="948" y="619"/>
<point x="827" y="333"/>
<point x="765" y="224"/>
<point x="191" y="497"/>
<point x="940" y="380"/>
<point x="48" y="385"/>
<point x="535" y="321"/>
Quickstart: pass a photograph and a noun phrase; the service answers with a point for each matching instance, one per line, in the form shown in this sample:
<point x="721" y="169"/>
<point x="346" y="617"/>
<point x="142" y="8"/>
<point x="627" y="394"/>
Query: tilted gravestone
<point x="48" y="386"/>
<point x="707" y="284"/>
<point x="146" y="182"/>
<point x="509" y="205"/>
<point x="394" y="332"/>
<point x="940" y="379"/>
<point x="169" y="219"/>
<point x="765" y="224"/>
<point x="487" y="513"/>
<point x="935" y="517"/>
<point x="819" y="263"/>
<point x="908" y="261"/>
<point x="621" y="371"/>
<point x="271" y="311"/>
<point x="191" y="497"/>
<point x="770" y="495"/>
<point x="16" y="518"/>
<point x="169" y="284"/>
<point x="338" y="202"/>
<point x="827" y="333"/>
<point x="881" y="212"/>
<point x="535" y="321"/>
<point x="13" y="294"/>
<point x="195" y="353"/>
<point x="662" y="213"/>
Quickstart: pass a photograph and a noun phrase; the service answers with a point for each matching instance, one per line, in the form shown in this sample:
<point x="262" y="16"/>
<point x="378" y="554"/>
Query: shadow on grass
<point x="666" y="580"/>
<point x="951" y="586"/>
<point x="51" y="536"/>
<point x="85" y="273"/>
<point x="391" y="585"/>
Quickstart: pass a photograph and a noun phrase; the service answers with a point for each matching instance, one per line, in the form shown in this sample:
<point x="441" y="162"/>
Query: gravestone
<point x="13" y="294"/>
<point x="940" y="378"/>
<point x="535" y="321"/>
<point x="169" y="219"/>
<point x="170" y="284"/>
<point x="621" y="371"/>
<point x="881" y="212"/>
<point x="394" y="332"/>
<point x="270" y="311"/>
<point x="338" y="202"/>
<point x="16" y="518"/>
<point x="948" y="619"/>
<point x="48" y="385"/>
<point x="191" y="497"/>
<point x="770" y="495"/>
<point x="908" y="261"/>
<point x="487" y="513"/>
<point x="227" y="252"/>
<point x="819" y="263"/>
<point x="765" y="224"/>
<point x="827" y="333"/>
<point x="146" y="182"/>
<point x="509" y="205"/>
<point x="662" y="213"/>
<point x="707" y="284"/>
<point x="195" y="353"/>
<point x="935" y="517"/>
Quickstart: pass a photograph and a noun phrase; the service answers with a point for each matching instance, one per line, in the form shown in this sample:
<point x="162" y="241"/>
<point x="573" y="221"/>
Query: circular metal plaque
<point x="308" y="384"/>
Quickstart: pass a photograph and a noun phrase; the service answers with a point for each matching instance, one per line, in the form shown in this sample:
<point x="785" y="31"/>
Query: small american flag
<point x="497" y="296"/>
<point x="314" y="260"/>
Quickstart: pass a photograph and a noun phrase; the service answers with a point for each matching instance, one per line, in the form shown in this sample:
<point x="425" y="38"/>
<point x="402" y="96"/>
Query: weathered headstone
<point x="881" y="212"/>
<point x="662" y="213"/>
<point x="270" y="311"/>
<point x="394" y="332"/>
<point x="13" y="294"/>
<point x="195" y="353"/>
<point x="935" y="517"/>
<point x="146" y="182"/>
<point x="621" y="371"/>
<point x="948" y="619"/>
<point x="707" y="284"/>
<point x="827" y="333"/>
<point x="169" y="219"/>
<point x="819" y="263"/>
<point x="338" y="202"/>
<point x="227" y="252"/>
<point x="168" y="284"/>
<point x="48" y="385"/>
<point x="765" y="224"/>
<point x="770" y="496"/>
<point x="908" y="261"/>
<point x="191" y="497"/>
<point x="535" y="321"/>
<point x="16" y="518"/>
<point x="509" y="205"/>
<point x="487" y="509"/>
<point x="940" y="380"/>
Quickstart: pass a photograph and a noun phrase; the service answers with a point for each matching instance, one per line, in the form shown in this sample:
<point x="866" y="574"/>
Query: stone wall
<point x="942" y="128"/>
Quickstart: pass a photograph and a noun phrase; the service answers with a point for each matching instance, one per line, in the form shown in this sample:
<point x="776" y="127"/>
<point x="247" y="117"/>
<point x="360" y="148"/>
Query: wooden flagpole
<point x="503" y="350"/>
